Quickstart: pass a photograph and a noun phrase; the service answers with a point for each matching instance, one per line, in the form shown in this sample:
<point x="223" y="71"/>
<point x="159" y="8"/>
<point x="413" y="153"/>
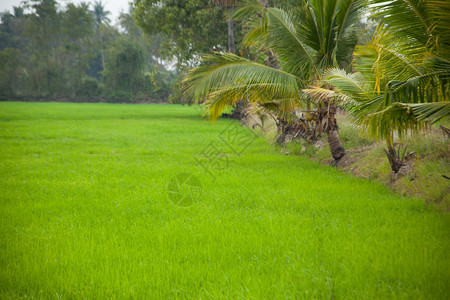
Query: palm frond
<point x="404" y="117"/>
<point x="397" y="59"/>
<point x="248" y="10"/>
<point x="228" y="70"/>
<point x="410" y="19"/>
<point x="273" y="110"/>
<point x="351" y="84"/>
<point x="429" y="87"/>
<point x="329" y="27"/>
<point x="294" y="55"/>
<point x="434" y="112"/>
<point x="346" y="32"/>
<point x="225" y="96"/>
<point x="440" y="9"/>
<point x="395" y="117"/>
<point x="254" y="15"/>
<point x="256" y="37"/>
<point x="312" y="31"/>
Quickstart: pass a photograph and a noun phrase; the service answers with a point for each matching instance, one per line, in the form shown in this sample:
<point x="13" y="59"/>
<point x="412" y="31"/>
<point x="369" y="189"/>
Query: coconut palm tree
<point x="325" y="37"/>
<point x="403" y="74"/>
<point x="101" y="17"/>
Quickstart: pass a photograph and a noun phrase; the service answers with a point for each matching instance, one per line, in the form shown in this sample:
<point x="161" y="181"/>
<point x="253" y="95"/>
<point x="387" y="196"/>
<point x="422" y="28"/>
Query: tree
<point x="152" y="42"/>
<point x="10" y="63"/>
<point x="100" y="13"/>
<point x="402" y="83"/>
<point x="188" y="28"/>
<point x="101" y="20"/>
<point x="124" y="73"/>
<point x="56" y="52"/>
<point x="43" y="30"/>
<point x="324" y="37"/>
<point x="77" y="44"/>
<point x="158" y="80"/>
<point x="11" y="52"/>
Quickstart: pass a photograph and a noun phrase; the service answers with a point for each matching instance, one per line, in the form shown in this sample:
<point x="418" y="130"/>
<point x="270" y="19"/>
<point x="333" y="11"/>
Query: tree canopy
<point x="188" y="28"/>
<point x="71" y="51"/>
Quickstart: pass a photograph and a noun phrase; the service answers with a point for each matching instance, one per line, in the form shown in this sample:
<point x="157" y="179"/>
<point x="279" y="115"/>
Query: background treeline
<point x="53" y="52"/>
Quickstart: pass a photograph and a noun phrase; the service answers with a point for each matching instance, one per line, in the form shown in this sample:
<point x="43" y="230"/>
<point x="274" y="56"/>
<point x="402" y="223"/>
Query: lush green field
<point x="85" y="213"/>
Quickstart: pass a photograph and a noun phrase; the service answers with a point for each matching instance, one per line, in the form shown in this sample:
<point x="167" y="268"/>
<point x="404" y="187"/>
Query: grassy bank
<point x="85" y="213"/>
<point x="422" y="177"/>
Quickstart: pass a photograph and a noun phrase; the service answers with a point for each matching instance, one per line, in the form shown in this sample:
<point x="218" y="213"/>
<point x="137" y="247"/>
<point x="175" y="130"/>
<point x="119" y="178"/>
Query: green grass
<point x="85" y="214"/>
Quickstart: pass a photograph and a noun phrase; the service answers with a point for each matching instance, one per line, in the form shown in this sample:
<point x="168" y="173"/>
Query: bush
<point x="90" y="87"/>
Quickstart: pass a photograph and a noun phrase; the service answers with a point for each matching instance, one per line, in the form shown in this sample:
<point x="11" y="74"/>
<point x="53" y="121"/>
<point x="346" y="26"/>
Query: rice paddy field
<point x="153" y="202"/>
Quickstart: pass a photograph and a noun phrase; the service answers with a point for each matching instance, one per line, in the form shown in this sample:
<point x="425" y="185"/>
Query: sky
<point x="114" y="6"/>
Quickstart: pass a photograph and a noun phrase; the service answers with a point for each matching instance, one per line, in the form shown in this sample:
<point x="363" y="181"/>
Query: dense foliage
<point x="73" y="52"/>
<point x="189" y="27"/>
<point x="301" y="48"/>
<point x="401" y="74"/>
<point x="401" y="84"/>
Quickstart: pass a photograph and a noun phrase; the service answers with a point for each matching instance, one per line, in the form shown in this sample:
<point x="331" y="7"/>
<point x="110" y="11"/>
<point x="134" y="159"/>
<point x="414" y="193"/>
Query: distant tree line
<point x="72" y="52"/>
<point x="51" y="51"/>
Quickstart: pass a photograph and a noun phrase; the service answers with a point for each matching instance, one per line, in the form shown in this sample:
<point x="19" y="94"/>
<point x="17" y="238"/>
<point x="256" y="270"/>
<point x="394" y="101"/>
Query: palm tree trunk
<point x="100" y="40"/>
<point x="328" y="123"/>
<point x="238" y="111"/>
<point x="395" y="160"/>
<point x="102" y="53"/>
<point x="103" y="58"/>
<point x="336" y="148"/>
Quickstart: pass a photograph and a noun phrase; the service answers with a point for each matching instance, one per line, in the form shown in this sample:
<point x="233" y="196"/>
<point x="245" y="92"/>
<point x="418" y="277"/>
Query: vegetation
<point x="403" y="72"/>
<point x="324" y="37"/>
<point x="187" y="27"/>
<point x="85" y="214"/>
<point x="150" y="201"/>
<point x="426" y="159"/>
<point x="74" y="53"/>
<point x="400" y="84"/>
